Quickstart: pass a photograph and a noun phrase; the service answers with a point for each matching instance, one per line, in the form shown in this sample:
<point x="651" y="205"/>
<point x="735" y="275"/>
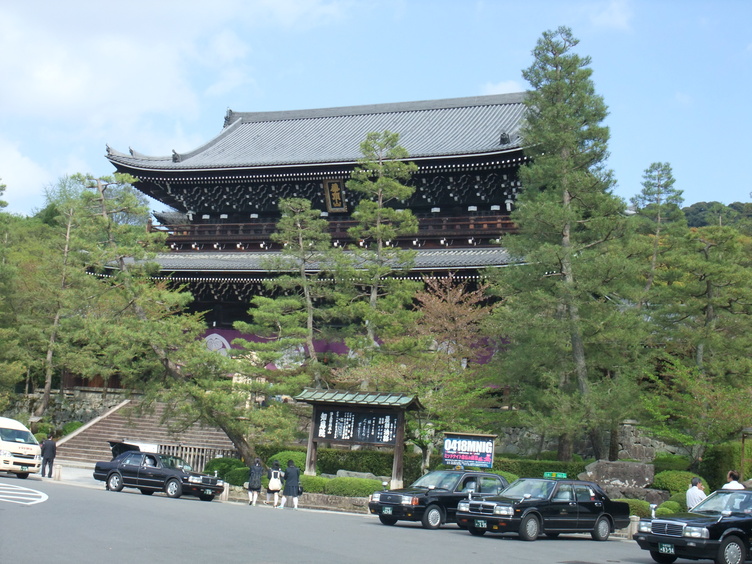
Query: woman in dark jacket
<point x="292" y="483"/>
<point x="254" y="481"/>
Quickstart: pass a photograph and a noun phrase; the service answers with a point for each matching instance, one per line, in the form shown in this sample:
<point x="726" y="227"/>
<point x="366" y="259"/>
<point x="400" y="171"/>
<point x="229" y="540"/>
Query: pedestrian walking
<point x="49" y="451"/>
<point x="275" y="483"/>
<point x="254" y="481"/>
<point x="292" y="485"/>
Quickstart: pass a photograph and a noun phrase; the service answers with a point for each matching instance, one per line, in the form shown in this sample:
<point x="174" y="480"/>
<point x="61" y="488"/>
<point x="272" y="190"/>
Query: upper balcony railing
<point x="436" y="232"/>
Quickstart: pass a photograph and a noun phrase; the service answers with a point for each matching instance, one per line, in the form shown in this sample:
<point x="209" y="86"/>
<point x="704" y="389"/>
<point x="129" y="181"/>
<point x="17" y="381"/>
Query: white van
<point x="19" y="449"/>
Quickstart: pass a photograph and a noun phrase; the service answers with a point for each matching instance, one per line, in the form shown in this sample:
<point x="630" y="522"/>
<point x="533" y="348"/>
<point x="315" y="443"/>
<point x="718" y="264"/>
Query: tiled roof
<point x="366" y="399"/>
<point x="429" y="129"/>
<point x="248" y="262"/>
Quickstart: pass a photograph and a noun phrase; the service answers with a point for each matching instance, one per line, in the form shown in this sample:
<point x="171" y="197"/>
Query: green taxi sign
<point x="554" y="475"/>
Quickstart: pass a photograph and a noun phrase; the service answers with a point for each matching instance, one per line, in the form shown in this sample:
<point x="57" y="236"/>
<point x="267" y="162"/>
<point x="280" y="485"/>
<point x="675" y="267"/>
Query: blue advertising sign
<point x="469" y="450"/>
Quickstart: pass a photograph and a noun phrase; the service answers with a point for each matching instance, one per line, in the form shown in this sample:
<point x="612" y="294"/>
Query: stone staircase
<point x="89" y="444"/>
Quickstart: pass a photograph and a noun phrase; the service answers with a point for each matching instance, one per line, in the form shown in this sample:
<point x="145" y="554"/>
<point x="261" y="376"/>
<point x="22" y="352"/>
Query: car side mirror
<point x="652" y="510"/>
<point x="384" y="484"/>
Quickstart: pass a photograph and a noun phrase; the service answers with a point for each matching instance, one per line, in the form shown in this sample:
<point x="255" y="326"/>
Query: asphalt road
<point x="57" y="522"/>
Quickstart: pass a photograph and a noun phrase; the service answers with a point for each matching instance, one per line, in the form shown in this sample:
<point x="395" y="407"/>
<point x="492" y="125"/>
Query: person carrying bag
<point x="275" y="482"/>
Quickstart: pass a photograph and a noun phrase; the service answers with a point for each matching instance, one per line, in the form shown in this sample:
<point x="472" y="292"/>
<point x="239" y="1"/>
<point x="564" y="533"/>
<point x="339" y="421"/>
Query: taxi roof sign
<point x="554" y="475"/>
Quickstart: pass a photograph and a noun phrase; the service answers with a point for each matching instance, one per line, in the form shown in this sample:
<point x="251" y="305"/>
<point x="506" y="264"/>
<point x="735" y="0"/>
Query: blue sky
<point x="159" y="75"/>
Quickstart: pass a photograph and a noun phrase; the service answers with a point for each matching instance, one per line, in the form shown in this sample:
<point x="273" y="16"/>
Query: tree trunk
<point x="613" y="445"/>
<point x="566" y="447"/>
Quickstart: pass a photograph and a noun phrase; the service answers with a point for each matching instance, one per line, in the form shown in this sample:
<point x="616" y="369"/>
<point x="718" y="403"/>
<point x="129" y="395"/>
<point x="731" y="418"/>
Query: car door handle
<point x="598" y="504"/>
<point x="573" y="503"/>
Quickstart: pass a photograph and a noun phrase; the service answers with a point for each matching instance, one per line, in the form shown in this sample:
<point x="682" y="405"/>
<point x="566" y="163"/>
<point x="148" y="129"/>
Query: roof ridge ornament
<point x="176" y="158"/>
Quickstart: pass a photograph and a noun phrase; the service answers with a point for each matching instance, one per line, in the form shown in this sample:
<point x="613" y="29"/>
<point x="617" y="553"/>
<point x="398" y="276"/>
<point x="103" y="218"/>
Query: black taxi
<point x="551" y="505"/>
<point x="432" y="499"/>
<point x="718" y="528"/>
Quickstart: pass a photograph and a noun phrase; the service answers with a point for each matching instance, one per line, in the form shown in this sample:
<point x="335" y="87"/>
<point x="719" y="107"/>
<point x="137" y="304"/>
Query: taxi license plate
<point x="208" y="492"/>
<point x="24" y="468"/>
<point x="386" y="511"/>
<point x="665" y="548"/>
<point x="481" y="524"/>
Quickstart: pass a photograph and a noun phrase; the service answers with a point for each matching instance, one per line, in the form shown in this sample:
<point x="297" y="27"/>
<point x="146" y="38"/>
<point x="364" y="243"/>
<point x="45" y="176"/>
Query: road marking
<point x="21" y="495"/>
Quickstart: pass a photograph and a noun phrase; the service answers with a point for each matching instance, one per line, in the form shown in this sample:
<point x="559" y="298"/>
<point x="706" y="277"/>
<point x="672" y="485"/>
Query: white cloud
<point x="504" y="87"/>
<point x="25" y="179"/>
<point x="614" y="14"/>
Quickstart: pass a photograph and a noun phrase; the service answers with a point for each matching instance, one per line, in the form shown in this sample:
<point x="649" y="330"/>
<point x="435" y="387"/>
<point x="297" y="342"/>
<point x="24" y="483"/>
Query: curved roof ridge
<point x="369" y="109"/>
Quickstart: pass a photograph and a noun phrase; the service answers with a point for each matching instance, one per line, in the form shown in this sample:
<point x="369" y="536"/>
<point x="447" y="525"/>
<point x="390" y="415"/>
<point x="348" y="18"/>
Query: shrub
<point x="638" y="507"/>
<point x="297" y="457"/>
<point x="222" y="466"/>
<point x="681" y="499"/>
<point x="668" y="508"/>
<point x="351" y="487"/>
<point x="508" y="475"/>
<point x="40" y="437"/>
<point x="536" y="468"/>
<point x="675" y="481"/>
<point x="719" y="459"/>
<point x="313" y="484"/>
<point x="236" y="476"/>
<point x="665" y="461"/>
<point x="71" y="426"/>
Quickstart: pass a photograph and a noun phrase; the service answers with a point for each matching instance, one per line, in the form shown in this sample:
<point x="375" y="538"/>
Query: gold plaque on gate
<point x="334" y="192"/>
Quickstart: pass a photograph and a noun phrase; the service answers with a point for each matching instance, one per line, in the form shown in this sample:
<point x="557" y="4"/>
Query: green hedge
<point x="223" y="466"/>
<point x="668" y="508"/>
<point x="297" y="457"/>
<point x="665" y="461"/>
<point x="536" y="468"/>
<point x="675" y="481"/>
<point x="71" y="426"/>
<point x="681" y="499"/>
<point x="719" y="459"/>
<point x="638" y="507"/>
<point x="351" y="487"/>
<point x="237" y="476"/>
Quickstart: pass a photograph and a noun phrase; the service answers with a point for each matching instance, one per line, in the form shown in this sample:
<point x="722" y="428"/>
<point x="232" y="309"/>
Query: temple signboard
<point x="355" y="426"/>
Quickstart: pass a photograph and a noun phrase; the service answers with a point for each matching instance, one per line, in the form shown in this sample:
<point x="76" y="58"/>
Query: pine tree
<point x="570" y="341"/>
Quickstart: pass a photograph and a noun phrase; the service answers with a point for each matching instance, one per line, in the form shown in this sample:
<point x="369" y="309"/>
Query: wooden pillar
<point x="310" y="460"/>
<point x="399" y="453"/>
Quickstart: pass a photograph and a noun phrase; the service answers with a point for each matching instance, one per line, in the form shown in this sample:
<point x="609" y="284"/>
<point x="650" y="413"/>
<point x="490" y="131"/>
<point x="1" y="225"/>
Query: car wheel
<point x="601" y="530"/>
<point x="663" y="558"/>
<point x="22" y="475"/>
<point x="147" y="492"/>
<point x="173" y="488"/>
<point x="476" y="532"/>
<point x="115" y="482"/>
<point x="529" y="528"/>
<point x="432" y="517"/>
<point x="731" y="551"/>
<point x="205" y="497"/>
<point x="386" y="520"/>
<point x="552" y="535"/>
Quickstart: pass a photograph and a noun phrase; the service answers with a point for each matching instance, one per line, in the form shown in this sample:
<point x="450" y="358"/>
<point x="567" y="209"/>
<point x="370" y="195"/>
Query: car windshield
<point x="439" y="480"/>
<point x="719" y="501"/>
<point x="524" y="488"/>
<point x="175" y="462"/>
<point x="17" y="436"/>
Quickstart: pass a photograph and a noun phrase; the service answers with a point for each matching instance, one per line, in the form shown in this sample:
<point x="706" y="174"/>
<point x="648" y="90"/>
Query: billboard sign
<point x="461" y="449"/>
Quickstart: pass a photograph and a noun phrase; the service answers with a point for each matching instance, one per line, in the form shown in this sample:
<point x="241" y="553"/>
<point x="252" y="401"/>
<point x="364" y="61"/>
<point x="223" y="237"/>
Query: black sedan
<point x="718" y="528"/>
<point x="531" y="506"/>
<point x="432" y="499"/>
<point x="152" y="472"/>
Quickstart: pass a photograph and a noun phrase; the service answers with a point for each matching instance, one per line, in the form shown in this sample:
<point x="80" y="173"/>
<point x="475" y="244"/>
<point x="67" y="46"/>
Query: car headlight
<point x="194" y="479"/>
<point x="503" y="510"/>
<point x="463" y="506"/>
<point x="376" y="496"/>
<point x="220" y="482"/>
<point x="644" y="527"/>
<point x="37" y="457"/>
<point x="5" y="453"/>
<point x="696" y="532"/>
<point x="409" y="500"/>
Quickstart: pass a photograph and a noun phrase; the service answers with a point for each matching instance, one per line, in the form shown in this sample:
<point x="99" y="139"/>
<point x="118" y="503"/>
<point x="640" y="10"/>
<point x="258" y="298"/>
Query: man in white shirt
<point x="732" y="481"/>
<point x="695" y="494"/>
